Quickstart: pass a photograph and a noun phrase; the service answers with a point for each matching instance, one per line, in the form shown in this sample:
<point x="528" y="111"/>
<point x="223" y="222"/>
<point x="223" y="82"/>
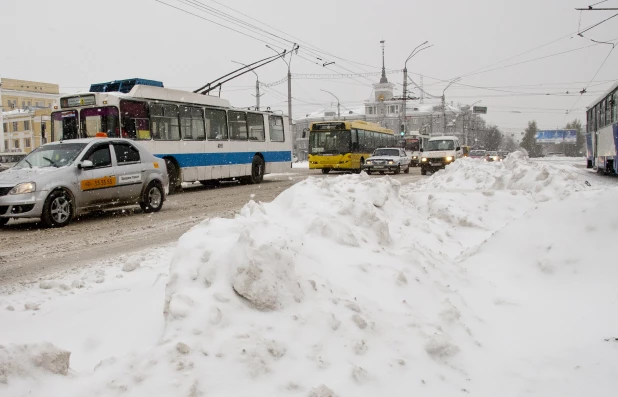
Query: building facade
<point x="25" y="114"/>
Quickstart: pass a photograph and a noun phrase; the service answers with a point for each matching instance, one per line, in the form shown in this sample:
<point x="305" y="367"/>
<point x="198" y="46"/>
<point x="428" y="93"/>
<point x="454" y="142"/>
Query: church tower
<point x="384" y="89"/>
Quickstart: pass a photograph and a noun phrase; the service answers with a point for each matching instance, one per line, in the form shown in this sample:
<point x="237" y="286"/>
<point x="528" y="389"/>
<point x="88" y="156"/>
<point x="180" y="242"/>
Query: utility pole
<point x="289" y="64"/>
<point x="257" y="87"/>
<point x="444" y="103"/>
<point x="422" y="92"/>
<point x="338" y="104"/>
<point x="405" y="81"/>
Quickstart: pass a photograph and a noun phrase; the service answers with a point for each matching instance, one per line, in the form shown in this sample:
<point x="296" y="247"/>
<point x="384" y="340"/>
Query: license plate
<point x="379" y="167"/>
<point x="436" y="164"/>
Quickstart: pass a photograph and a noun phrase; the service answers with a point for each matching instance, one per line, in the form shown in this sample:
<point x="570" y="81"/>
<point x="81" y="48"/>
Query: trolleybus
<point x="201" y="137"/>
<point x="344" y="145"/>
<point x="602" y="132"/>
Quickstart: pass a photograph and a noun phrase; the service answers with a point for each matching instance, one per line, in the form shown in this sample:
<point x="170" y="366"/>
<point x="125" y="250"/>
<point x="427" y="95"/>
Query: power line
<point x="593" y="77"/>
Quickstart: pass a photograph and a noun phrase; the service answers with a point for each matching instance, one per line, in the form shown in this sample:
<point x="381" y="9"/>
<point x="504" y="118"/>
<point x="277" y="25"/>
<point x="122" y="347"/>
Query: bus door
<point x="217" y="144"/>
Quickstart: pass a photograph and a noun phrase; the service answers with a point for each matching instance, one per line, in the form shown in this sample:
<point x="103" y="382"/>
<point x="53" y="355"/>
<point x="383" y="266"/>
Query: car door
<point x="130" y="171"/>
<point x="404" y="160"/>
<point x="97" y="183"/>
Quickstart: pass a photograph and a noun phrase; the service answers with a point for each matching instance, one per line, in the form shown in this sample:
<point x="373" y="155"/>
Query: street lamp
<point x="405" y="80"/>
<point x="257" y="86"/>
<point x="338" y="105"/>
<point x="289" y="64"/>
<point x="444" y="102"/>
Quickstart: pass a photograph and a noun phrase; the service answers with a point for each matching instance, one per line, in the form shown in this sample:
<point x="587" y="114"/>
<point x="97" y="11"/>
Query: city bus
<point x="344" y="145"/>
<point x="413" y="143"/>
<point x="602" y="133"/>
<point x="200" y="137"/>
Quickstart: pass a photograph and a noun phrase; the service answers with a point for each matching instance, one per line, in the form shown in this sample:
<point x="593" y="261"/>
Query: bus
<point x="413" y="143"/>
<point x="602" y="133"/>
<point x="344" y="145"/>
<point x="200" y="137"/>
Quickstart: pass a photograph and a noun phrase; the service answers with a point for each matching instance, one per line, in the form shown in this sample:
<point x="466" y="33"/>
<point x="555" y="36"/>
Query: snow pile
<point x="544" y="181"/>
<point x="27" y="360"/>
<point x="358" y="286"/>
<point x="300" y="164"/>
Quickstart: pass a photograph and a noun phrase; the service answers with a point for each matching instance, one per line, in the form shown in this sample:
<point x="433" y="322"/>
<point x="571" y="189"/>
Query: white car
<point x="387" y="159"/>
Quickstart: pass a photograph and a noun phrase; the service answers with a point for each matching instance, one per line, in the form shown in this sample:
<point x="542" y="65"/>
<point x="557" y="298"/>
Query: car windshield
<point x="492" y="153"/>
<point x="440" y="144"/>
<point x="477" y="153"/>
<point x="58" y="155"/>
<point x="331" y="142"/>
<point x="386" y="152"/>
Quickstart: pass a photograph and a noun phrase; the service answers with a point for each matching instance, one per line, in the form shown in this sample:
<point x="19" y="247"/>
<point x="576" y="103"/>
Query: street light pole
<point x="338" y="104"/>
<point x="289" y="64"/>
<point x="257" y="87"/>
<point x="405" y="82"/>
<point x="444" y="103"/>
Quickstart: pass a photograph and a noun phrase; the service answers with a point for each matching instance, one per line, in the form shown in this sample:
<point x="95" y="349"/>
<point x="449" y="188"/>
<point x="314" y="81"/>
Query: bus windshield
<point x="331" y="142"/>
<point x="102" y="119"/>
<point x="440" y="144"/>
<point x="64" y="125"/>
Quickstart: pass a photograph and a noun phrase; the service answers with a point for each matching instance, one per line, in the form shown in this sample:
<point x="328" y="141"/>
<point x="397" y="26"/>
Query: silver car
<point x="60" y="180"/>
<point x="388" y="159"/>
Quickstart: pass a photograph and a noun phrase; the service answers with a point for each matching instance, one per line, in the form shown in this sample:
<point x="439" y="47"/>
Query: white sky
<point x="75" y="43"/>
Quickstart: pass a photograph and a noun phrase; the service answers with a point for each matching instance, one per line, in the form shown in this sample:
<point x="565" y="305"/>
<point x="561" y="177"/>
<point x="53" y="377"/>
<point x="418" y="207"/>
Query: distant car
<point x="439" y="152"/>
<point x="60" y="180"/>
<point x="388" y="160"/>
<point x="503" y="154"/>
<point x="492" y="156"/>
<point x="477" y="154"/>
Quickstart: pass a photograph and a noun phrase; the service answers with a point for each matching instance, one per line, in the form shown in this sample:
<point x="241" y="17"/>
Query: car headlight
<point x="495" y="158"/>
<point x="368" y="162"/>
<point x="390" y="162"/>
<point x="414" y="157"/>
<point x="24" y="188"/>
<point x="449" y="158"/>
<point x="424" y="159"/>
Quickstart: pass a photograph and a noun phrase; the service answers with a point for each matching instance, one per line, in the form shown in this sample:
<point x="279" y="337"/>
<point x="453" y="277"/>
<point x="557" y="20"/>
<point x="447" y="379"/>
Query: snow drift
<point x="358" y="286"/>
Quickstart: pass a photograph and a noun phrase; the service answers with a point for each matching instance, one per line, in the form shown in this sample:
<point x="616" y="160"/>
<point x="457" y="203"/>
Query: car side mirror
<point x="85" y="164"/>
<point x="422" y="150"/>
<point x="458" y="148"/>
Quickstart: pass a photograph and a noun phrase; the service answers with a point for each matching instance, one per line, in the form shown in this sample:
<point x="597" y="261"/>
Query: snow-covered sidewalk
<point x="484" y="279"/>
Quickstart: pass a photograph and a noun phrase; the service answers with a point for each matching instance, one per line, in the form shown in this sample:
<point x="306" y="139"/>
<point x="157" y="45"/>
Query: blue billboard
<point x="556" y="136"/>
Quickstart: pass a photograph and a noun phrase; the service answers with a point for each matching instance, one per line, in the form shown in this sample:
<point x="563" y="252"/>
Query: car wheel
<point x="4" y="221"/>
<point x="369" y="172"/>
<point x="172" y="173"/>
<point x="423" y="171"/>
<point x="58" y="209"/>
<point x="325" y="170"/>
<point x="257" y="170"/>
<point x="152" y="198"/>
<point x="397" y="170"/>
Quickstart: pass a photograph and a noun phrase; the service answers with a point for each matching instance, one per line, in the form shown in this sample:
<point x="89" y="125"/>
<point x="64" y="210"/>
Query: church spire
<point x="383" y="79"/>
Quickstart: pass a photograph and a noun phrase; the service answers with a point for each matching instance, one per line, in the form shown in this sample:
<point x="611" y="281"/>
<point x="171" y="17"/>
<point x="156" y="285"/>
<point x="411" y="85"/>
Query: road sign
<point x="480" y="109"/>
<point x="556" y="136"/>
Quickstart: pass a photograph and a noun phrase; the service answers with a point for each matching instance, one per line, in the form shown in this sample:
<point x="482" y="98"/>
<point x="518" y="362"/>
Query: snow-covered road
<point x="485" y="279"/>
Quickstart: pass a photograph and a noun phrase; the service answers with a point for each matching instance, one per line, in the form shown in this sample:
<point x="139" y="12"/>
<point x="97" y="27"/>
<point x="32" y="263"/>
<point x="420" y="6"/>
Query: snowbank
<point x="300" y="164"/>
<point x="544" y="181"/>
<point x="477" y="280"/>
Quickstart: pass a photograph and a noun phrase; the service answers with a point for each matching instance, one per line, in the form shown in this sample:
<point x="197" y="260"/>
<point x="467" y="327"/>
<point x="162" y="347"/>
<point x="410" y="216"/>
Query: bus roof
<point x="609" y="91"/>
<point x="168" y="94"/>
<point x="349" y="124"/>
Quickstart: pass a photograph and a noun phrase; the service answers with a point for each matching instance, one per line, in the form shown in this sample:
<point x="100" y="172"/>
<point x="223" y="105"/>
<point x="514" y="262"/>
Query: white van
<point x="439" y="152"/>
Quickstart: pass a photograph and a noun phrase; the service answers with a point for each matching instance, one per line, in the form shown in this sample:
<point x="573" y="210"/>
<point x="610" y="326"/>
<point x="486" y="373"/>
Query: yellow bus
<point x="344" y="145"/>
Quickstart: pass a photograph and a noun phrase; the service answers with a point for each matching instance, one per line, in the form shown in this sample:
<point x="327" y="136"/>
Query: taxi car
<point x="60" y="180"/>
<point x="387" y="159"/>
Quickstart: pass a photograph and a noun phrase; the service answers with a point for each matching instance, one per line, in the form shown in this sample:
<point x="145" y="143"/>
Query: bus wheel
<point x="325" y="170"/>
<point x="257" y="170"/>
<point x="172" y="173"/>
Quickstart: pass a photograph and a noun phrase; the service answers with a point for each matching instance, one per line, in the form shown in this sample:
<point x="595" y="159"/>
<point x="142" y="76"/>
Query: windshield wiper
<point x="53" y="163"/>
<point x="29" y="165"/>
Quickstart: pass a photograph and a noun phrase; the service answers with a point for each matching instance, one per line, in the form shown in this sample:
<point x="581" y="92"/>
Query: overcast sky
<point x="75" y="43"/>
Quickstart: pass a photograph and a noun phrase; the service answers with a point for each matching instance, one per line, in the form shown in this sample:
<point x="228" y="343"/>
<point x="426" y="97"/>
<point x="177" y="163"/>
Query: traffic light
<point x="402" y="133"/>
